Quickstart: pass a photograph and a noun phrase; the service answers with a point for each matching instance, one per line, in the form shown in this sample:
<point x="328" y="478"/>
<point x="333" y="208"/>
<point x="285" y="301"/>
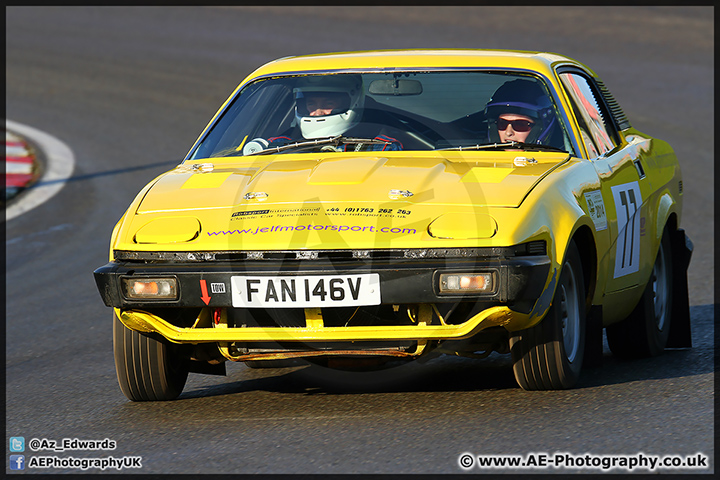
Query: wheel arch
<point x="671" y="223"/>
<point x="667" y="215"/>
<point x="585" y="242"/>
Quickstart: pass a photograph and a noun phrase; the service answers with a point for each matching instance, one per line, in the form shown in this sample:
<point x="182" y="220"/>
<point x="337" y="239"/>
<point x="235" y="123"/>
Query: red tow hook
<point x="216" y="315"/>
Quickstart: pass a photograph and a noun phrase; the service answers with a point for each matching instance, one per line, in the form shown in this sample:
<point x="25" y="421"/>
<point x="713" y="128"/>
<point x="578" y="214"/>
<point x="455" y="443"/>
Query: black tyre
<point x="147" y="369"/>
<point x="549" y="355"/>
<point x="645" y="332"/>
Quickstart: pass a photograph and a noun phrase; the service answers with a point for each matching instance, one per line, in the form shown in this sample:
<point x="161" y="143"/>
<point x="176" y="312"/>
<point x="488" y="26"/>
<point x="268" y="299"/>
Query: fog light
<point x="466" y="283"/>
<point x="153" y="288"/>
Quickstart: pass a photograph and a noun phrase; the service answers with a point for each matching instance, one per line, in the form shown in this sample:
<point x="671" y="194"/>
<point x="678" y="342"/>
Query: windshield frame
<point x="552" y="89"/>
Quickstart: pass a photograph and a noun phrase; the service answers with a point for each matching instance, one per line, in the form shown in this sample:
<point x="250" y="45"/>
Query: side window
<point x="596" y="132"/>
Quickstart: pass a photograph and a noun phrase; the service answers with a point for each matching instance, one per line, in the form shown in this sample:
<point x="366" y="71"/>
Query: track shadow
<point x="119" y="171"/>
<point x="672" y="363"/>
<point x="456" y="374"/>
<point x="442" y="374"/>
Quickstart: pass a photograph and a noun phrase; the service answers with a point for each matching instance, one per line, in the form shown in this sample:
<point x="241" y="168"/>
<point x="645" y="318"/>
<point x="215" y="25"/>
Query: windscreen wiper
<point x="539" y="147"/>
<point x="490" y="146"/>
<point x="334" y="141"/>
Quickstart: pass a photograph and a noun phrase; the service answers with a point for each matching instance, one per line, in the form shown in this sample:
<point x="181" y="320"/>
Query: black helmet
<point x="523" y="97"/>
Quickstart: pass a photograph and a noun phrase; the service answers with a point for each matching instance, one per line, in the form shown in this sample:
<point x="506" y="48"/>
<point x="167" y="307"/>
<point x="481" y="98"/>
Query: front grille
<point x="536" y="248"/>
<point x="531" y="248"/>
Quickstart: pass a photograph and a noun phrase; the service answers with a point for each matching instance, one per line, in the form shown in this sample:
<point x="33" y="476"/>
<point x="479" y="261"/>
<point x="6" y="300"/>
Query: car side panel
<point x="654" y="165"/>
<point x="555" y="210"/>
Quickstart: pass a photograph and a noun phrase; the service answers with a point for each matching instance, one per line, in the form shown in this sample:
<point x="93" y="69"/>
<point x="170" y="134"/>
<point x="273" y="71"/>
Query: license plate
<point x="305" y="291"/>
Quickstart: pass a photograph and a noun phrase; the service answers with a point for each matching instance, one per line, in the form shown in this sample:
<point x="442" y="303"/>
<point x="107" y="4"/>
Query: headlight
<point x="150" y="288"/>
<point x="466" y="283"/>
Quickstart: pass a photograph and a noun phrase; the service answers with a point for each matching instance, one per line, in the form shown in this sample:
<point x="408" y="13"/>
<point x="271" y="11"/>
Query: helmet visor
<point x="318" y="104"/>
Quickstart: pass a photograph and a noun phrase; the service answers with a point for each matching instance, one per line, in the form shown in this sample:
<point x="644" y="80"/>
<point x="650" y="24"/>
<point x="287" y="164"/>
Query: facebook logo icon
<point x="17" y="462"/>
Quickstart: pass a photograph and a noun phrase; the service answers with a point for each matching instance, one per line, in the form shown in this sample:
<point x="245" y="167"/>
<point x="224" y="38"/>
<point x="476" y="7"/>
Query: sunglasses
<point x="517" y="125"/>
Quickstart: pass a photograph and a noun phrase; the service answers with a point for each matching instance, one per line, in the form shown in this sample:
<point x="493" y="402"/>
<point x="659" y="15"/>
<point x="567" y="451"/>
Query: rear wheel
<point x="147" y="369"/>
<point x="645" y="332"/>
<point x="549" y="355"/>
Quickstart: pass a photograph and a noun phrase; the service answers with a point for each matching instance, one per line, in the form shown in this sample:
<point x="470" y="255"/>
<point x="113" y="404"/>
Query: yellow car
<point x="390" y="205"/>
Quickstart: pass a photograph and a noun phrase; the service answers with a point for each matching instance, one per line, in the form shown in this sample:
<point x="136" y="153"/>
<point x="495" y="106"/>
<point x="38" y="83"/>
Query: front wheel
<point x="549" y="355"/>
<point x="147" y="369"/>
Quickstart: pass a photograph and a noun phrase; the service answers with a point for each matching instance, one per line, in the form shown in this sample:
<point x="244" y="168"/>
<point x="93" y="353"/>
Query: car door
<point x="624" y="187"/>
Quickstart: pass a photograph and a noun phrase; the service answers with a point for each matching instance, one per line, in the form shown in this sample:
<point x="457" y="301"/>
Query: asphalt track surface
<point x="129" y="89"/>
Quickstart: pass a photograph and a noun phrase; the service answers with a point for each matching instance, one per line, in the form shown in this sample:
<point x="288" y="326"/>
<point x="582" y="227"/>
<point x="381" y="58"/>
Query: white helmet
<point x="346" y="89"/>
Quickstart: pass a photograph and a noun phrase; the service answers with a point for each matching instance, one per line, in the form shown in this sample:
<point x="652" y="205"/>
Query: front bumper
<point x="520" y="281"/>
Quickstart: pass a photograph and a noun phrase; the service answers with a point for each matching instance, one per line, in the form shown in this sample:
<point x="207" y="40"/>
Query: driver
<point x="331" y="105"/>
<point x="520" y="111"/>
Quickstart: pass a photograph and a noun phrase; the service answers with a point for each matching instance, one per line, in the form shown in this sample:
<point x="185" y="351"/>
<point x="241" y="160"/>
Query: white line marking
<point x="60" y="164"/>
<point x="16" y="151"/>
<point x="10" y="137"/>
<point x="18" y="168"/>
<point x="25" y="238"/>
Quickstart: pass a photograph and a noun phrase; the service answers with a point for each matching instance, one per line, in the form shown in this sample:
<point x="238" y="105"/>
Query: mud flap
<point x="682" y="249"/>
<point x="593" y="338"/>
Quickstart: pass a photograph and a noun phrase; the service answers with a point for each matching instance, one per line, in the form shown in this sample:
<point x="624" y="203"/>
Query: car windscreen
<point x="427" y="110"/>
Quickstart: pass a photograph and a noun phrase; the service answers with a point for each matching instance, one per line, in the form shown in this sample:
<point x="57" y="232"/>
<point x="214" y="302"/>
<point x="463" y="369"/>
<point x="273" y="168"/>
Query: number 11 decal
<point x="627" y="204"/>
